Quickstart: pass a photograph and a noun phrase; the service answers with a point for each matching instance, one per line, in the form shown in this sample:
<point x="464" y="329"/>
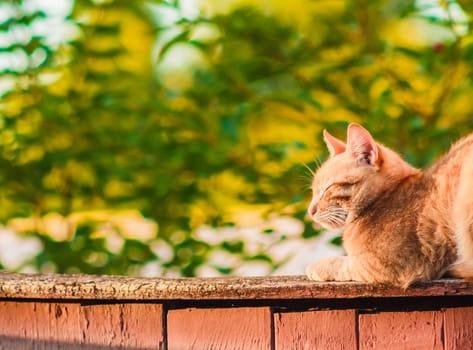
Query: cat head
<point x="355" y="172"/>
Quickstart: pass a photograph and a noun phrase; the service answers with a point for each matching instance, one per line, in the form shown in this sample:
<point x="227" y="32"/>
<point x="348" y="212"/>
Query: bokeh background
<point x="177" y="138"/>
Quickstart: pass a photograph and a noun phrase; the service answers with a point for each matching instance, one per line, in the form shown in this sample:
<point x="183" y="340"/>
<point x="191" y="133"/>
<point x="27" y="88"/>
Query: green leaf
<point x="337" y="241"/>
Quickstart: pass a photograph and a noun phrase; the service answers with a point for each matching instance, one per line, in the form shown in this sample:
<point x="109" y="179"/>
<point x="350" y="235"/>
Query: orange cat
<point x="401" y="225"/>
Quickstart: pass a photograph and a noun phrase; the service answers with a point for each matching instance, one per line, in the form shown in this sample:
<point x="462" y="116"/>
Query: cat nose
<point x="312" y="209"/>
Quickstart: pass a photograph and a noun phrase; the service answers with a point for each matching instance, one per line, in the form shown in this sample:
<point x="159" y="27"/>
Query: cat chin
<point x="320" y="225"/>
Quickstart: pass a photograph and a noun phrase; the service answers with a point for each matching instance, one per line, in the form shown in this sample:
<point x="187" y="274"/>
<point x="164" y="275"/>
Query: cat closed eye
<point x="340" y="191"/>
<point x="341" y="186"/>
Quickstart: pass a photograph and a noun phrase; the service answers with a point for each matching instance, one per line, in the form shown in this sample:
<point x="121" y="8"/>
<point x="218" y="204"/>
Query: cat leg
<point x="337" y="268"/>
<point x="461" y="269"/>
<point x="366" y="268"/>
<point x="463" y="214"/>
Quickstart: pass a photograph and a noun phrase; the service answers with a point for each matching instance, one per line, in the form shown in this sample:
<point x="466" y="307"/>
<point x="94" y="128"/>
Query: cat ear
<point x="362" y="146"/>
<point x="334" y="145"/>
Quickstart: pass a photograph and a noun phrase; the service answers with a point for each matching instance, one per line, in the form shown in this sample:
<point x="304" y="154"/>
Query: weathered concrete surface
<point x="90" y="287"/>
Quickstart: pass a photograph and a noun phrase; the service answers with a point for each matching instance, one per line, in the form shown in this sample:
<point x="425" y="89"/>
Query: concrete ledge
<point x="90" y="287"/>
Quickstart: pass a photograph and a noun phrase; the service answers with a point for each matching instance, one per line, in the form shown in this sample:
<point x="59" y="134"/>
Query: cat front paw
<point x="312" y="273"/>
<point x="320" y="271"/>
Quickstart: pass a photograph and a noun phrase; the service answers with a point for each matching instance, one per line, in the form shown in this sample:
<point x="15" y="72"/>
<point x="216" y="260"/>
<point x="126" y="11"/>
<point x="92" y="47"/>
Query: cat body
<point x="401" y="225"/>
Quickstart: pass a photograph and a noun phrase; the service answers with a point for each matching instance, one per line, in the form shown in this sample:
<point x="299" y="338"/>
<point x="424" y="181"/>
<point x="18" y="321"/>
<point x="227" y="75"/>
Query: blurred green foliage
<point x="194" y="119"/>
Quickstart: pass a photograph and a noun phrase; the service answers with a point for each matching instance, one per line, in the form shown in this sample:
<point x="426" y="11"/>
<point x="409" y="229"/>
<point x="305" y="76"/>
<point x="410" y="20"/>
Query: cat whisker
<point x="337" y="211"/>
<point x="337" y="221"/>
<point x="338" y="215"/>
<point x="333" y="216"/>
<point x="318" y="162"/>
<point x="307" y="187"/>
<point x="308" y="179"/>
<point x="312" y="172"/>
